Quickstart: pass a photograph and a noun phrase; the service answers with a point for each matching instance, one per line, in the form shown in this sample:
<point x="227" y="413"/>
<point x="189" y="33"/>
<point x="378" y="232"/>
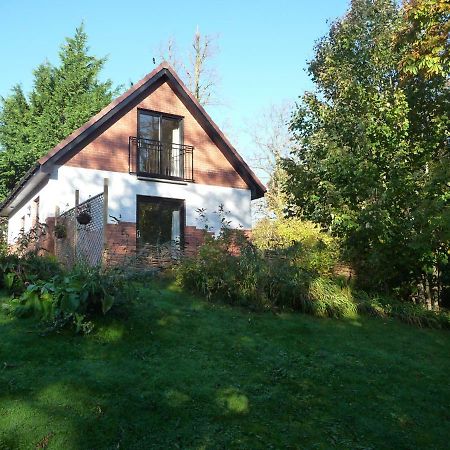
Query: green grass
<point x="181" y="373"/>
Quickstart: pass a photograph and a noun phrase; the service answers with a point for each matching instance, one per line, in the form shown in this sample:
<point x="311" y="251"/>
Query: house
<point x="157" y="157"/>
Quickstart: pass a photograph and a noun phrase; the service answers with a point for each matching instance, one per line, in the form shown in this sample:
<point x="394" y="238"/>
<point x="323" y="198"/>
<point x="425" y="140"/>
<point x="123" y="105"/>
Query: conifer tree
<point x="16" y="158"/>
<point x="63" y="98"/>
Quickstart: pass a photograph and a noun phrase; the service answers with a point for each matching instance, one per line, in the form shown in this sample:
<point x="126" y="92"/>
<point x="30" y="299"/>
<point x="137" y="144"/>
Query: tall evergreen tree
<point x="63" y="98"/>
<point x="16" y="156"/>
<point x="14" y="120"/>
<point x="78" y="93"/>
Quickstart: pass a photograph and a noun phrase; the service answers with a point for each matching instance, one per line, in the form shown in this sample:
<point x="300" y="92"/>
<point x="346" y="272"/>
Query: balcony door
<point x="160" y="139"/>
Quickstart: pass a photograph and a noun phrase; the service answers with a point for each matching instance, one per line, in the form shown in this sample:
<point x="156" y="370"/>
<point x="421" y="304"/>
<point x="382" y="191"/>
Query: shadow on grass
<point x="181" y="373"/>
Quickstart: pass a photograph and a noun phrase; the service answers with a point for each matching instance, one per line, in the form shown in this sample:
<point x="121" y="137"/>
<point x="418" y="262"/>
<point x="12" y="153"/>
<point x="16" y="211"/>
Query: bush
<point x="17" y="272"/>
<point x="413" y="314"/>
<point x="314" y="250"/>
<point x="40" y="287"/>
<point x="249" y="277"/>
<point x="234" y="270"/>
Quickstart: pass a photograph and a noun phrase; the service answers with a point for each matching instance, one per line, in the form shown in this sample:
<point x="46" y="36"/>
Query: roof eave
<point x="107" y="113"/>
<point x="26" y="184"/>
<point x="257" y="188"/>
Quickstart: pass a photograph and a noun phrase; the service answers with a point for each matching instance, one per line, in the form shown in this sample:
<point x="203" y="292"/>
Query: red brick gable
<point x="108" y="148"/>
<point x="217" y="161"/>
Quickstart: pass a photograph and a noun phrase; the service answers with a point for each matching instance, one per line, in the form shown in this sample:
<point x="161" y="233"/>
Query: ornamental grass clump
<point x="328" y="299"/>
<point x="412" y="314"/>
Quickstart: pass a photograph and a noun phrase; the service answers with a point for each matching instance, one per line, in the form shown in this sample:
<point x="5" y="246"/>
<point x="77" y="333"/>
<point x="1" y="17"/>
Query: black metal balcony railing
<point x="149" y="158"/>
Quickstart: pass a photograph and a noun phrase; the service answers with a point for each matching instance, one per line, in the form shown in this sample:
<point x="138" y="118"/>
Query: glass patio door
<point x="160" y="222"/>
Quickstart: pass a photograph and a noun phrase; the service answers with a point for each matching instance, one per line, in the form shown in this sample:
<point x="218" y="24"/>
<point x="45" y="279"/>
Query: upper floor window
<point x="159" y="127"/>
<point x="160" y="144"/>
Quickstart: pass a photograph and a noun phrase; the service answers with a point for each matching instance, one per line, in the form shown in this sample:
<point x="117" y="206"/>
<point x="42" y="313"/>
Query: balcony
<point x="156" y="159"/>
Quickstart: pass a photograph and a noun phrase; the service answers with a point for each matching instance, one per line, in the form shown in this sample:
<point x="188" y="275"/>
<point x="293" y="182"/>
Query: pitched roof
<point x="163" y="72"/>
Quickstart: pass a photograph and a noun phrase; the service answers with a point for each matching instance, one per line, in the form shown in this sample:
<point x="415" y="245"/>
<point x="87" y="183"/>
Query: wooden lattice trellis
<point x="82" y="242"/>
<point x="81" y="231"/>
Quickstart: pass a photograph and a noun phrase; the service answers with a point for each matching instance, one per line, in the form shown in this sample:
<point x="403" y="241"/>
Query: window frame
<point x="152" y="199"/>
<point x="160" y="115"/>
<point x="36" y="205"/>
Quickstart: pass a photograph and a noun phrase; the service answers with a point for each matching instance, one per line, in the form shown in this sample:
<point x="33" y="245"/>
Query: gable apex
<point x="112" y="112"/>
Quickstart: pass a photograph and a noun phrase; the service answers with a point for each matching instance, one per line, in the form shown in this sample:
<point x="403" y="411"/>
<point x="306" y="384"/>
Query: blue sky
<point x="264" y="45"/>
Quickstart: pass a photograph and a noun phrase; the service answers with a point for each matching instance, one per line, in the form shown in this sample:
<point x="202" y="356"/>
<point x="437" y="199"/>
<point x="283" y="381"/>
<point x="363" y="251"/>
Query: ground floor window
<point x="159" y="222"/>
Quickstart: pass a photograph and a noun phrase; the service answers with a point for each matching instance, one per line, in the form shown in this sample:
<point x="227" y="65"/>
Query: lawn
<point x="178" y="372"/>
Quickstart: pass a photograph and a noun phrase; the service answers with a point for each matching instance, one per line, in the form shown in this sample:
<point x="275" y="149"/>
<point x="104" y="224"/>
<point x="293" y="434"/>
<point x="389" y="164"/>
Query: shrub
<point x="413" y="314"/>
<point x="248" y="276"/>
<point x="212" y="272"/>
<point x="315" y="250"/>
<point x="61" y="298"/>
<point x="16" y="272"/>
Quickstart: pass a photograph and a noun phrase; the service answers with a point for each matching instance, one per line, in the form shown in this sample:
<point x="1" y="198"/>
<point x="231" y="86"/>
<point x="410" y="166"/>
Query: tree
<point x="17" y="155"/>
<point x="63" y="98"/>
<point x="363" y="167"/>
<point x="169" y="52"/>
<point x="272" y="141"/>
<point x="14" y="119"/>
<point x="196" y="69"/>
<point x="424" y="36"/>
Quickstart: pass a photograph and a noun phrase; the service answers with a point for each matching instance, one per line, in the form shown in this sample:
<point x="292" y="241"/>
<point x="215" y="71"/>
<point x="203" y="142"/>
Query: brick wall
<point x="108" y="150"/>
<point x="193" y="238"/>
<point x="121" y="243"/>
<point x="47" y="239"/>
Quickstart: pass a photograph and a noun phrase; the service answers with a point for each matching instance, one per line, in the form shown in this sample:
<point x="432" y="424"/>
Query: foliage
<point x="328" y="299"/>
<point x="236" y="272"/>
<point x="63" y="98"/>
<point x="407" y="312"/>
<point x="315" y="250"/>
<point x="285" y="275"/>
<point x="60" y="231"/>
<point x="17" y="272"/>
<point x="40" y="287"/>
<point x="229" y="266"/>
<point x="73" y="297"/>
<point x="3" y="236"/>
<point x="29" y="242"/>
<point x="371" y="163"/>
<point x="424" y="38"/>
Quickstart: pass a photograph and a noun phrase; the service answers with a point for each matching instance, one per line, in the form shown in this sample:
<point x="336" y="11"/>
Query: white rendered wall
<point x="123" y="189"/>
<point x="15" y="220"/>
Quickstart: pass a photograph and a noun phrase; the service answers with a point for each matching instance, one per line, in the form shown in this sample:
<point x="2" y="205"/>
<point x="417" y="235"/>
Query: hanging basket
<point x="84" y="218"/>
